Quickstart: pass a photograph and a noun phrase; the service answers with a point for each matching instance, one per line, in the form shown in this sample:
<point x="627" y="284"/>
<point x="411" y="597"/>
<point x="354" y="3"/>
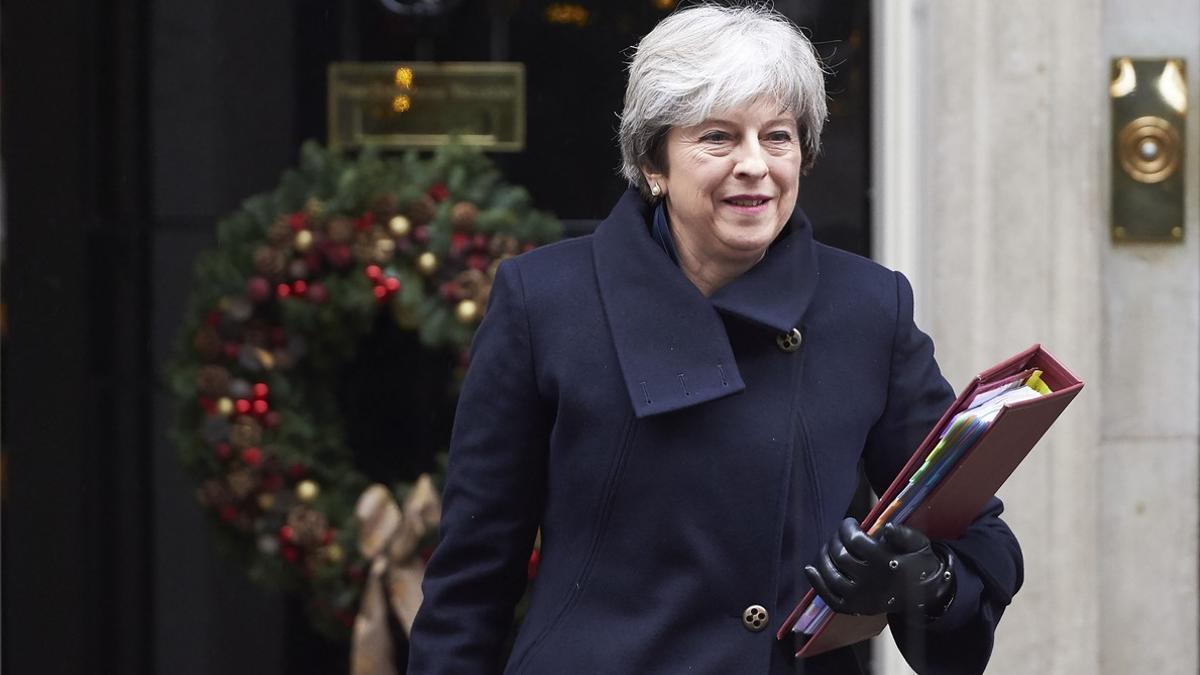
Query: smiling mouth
<point x="746" y="202"/>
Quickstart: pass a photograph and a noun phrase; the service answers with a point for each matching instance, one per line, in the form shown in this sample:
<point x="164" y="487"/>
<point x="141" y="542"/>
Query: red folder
<point x="955" y="502"/>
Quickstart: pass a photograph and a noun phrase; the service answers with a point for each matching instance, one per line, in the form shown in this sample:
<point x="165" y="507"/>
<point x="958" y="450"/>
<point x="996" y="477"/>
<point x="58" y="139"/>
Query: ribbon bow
<point x="388" y="538"/>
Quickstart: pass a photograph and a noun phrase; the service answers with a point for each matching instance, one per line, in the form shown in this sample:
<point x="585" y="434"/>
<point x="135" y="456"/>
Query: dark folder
<point x="959" y="497"/>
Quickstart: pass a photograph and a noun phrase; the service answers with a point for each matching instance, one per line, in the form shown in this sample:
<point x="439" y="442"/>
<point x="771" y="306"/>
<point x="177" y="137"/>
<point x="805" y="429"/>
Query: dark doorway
<point x="128" y="129"/>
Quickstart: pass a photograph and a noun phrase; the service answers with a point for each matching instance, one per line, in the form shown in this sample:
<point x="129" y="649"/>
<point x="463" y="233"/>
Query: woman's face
<point x="732" y="180"/>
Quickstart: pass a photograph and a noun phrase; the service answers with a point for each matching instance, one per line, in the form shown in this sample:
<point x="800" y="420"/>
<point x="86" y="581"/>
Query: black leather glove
<point x="897" y="573"/>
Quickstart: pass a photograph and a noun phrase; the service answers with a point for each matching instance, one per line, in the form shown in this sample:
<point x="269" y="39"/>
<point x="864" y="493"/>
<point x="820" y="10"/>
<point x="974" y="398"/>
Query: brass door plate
<point x="1149" y="111"/>
<point x="424" y="105"/>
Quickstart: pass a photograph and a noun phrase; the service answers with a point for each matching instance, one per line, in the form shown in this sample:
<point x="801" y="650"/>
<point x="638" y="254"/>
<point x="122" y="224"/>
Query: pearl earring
<point x="655" y="190"/>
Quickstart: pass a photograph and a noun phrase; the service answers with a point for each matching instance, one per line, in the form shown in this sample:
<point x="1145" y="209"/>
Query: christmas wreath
<point x="299" y="277"/>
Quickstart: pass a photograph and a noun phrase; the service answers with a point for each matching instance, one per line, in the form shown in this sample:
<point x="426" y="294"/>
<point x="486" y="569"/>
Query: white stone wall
<point x="992" y="195"/>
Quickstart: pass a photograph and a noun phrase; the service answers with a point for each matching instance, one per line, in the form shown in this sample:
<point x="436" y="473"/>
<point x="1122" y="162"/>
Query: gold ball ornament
<point x="225" y="405"/>
<point x="266" y="500"/>
<point x="307" y="491"/>
<point x="385" y="248"/>
<point x="467" y="311"/>
<point x="333" y="553"/>
<point x="400" y="226"/>
<point x="427" y="262"/>
<point x="303" y="241"/>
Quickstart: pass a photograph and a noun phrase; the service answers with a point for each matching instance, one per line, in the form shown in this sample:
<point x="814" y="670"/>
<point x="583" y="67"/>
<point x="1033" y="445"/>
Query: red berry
<point x="252" y="456"/>
<point x="297" y="221"/>
<point x="231" y="350"/>
<point x="535" y="558"/>
<point x="327" y="536"/>
<point x="340" y="255"/>
<point x="459" y="242"/>
<point x="258" y="289"/>
<point x="380" y="293"/>
<point x="438" y="192"/>
<point x="478" y="262"/>
<point x="300" y="287"/>
<point x="261" y="390"/>
<point x="283" y="290"/>
<point x="290" y="554"/>
<point x="365" y="221"/>
<point x="392" y="284"/>
<point x="286" y="533"/>
<point x="480" y="241"/>
<point x="260" y="407"/>
<point x="272" y="482"/>
<point x="374" y="272"/>
<point x="242" y="406"/>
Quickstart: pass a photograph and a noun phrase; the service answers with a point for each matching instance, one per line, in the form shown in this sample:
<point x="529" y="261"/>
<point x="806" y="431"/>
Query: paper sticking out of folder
<point x="972" y="450"/>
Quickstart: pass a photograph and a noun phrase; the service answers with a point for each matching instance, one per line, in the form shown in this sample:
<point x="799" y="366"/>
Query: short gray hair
<point x="705" y="59"/>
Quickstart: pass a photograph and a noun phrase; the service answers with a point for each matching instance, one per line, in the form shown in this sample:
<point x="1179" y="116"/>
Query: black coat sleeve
<point x="988" y="558"/>
<point x="493" y="498"/>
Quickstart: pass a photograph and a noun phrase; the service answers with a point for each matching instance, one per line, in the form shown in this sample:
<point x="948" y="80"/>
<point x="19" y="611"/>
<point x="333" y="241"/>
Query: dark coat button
<point x="755" y="618"/>
<point x="789" y="342"/>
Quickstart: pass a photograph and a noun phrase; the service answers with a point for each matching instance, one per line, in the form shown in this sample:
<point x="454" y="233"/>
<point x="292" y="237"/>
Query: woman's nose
<point x="750" y="161"/>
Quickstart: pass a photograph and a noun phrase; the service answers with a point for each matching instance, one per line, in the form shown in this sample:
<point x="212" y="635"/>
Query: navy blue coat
<point x="680" y="464"/>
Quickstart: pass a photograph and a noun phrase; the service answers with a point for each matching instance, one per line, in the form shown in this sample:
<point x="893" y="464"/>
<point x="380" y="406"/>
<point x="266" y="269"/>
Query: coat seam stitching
<point x="585" y="572"/>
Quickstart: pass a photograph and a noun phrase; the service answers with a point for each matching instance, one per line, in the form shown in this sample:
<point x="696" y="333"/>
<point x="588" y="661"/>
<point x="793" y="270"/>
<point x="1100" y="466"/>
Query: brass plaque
<point x="1149" y="112"/>
<point x="422" y="105"/>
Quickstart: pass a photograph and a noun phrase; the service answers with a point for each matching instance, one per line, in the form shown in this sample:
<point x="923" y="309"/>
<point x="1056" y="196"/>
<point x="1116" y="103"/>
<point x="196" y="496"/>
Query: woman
<point x="680" y="402"/>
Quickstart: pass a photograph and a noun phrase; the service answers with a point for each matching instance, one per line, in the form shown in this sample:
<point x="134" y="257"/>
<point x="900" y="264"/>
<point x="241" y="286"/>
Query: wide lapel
<point x="669" y="339"/>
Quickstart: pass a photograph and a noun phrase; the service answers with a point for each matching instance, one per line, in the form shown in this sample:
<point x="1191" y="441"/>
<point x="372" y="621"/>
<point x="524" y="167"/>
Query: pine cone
<point x="385" y="202"/>
<point x="207" y="343"/>
<point x="364" y="247"/>
<point x="242" y="483"/>
<point x="470" y="284"/>
<point x="422" y="210"/>
<point x="341" y="230"/>
<point x="212" y="381"/>
<point x="503" y="245"/>
<point x="463" y="215"/>
<point x="279" y="233"/>
<point x="245" y="433"/>
<point x="308" y="526"/>
<point x="270" y="262"/>
<point x="213" y="494"/>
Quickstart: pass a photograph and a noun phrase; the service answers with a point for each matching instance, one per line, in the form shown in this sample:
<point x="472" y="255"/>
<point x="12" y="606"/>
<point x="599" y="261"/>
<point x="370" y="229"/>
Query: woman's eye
<point x="715" y="137"/>
<point x="780" y="136"/>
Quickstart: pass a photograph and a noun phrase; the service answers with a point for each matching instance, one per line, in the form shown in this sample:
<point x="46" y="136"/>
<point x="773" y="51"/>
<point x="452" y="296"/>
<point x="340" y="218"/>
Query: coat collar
<point x="670" y="339"/>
